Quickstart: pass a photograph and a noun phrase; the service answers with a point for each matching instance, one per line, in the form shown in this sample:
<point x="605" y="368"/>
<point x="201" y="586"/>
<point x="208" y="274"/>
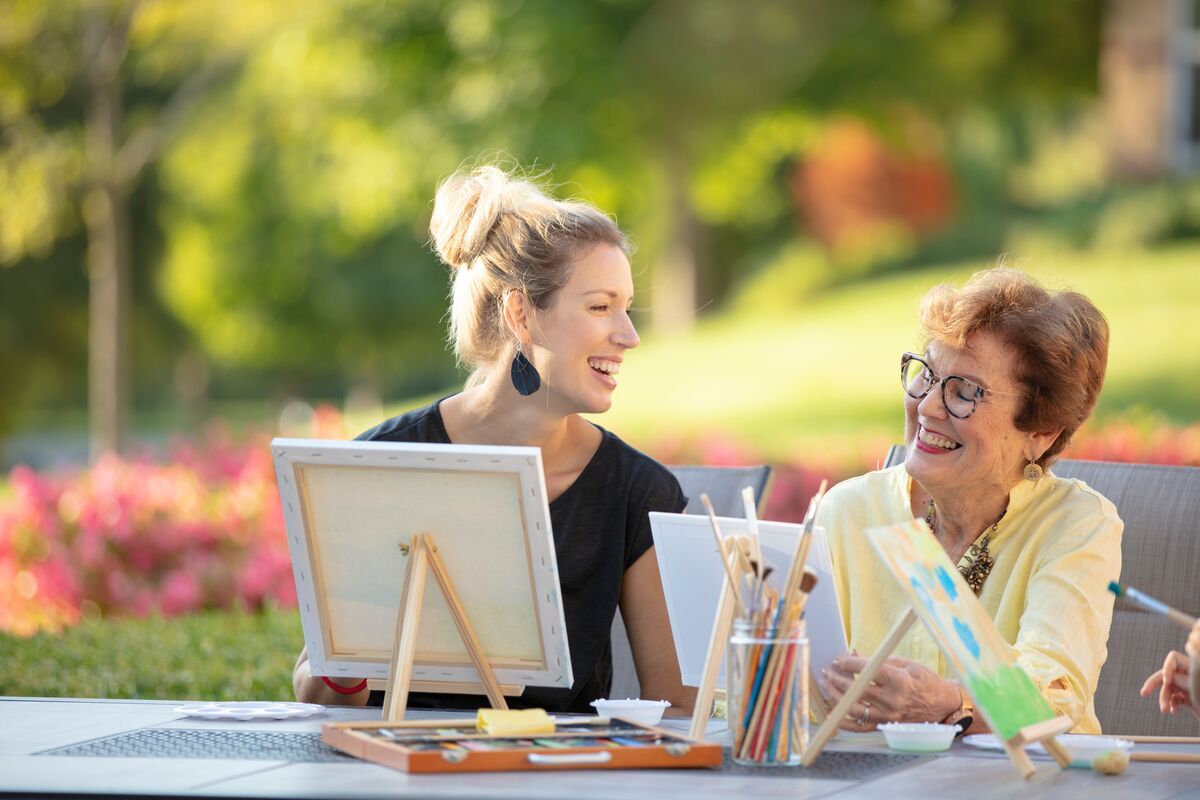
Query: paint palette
<point x="249" y="711"/>
<point x="457" y="746"/>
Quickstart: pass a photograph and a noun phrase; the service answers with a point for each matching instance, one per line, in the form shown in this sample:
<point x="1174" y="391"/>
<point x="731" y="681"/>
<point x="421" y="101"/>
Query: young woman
<point x="540" y="312"/>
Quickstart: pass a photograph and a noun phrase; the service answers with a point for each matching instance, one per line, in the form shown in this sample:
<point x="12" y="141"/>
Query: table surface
<point x="29" y="726"/>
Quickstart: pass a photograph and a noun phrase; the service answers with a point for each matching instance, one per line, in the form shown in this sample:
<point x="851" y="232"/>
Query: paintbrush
<point x="800" y="557"/>
<point x="752" y="526"/>
<point x="1150" y="604"/>
<point x="716" y="529"/>
<point x="755" y="544"/>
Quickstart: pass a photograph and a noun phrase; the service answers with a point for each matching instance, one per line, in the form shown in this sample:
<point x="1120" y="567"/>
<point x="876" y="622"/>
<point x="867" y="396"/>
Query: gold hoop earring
<point x="1033" y="471"/>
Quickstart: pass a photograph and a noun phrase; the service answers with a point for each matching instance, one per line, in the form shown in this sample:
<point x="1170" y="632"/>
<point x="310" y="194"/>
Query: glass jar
<point x="767" y="670"/>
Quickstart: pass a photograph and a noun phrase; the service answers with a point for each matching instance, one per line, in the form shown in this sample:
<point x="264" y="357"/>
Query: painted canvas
<point x="959" y="623"/>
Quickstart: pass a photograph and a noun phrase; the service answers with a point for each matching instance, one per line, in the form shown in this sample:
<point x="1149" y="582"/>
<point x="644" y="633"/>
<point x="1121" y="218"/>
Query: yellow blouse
<point x="1054" y="552"/>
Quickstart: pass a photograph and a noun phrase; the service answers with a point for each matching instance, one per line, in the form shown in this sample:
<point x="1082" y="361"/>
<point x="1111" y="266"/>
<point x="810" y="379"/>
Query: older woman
<point x="1008" y="373"/>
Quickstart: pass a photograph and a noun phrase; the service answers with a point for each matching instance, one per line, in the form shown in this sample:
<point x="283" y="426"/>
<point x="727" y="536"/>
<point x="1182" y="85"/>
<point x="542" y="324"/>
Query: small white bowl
<point x="918" y="737"/>
<point x="643" y="712"/>
<point x="1084" y="747"/>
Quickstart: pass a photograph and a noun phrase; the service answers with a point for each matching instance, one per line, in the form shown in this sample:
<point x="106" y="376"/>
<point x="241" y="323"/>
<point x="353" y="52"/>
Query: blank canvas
<point x="692" y="577"/>
<point x="351" y="506"/>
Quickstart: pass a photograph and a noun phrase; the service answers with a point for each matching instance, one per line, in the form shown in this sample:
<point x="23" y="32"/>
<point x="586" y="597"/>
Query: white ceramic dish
<point x="644" y="712"/>
<point x="250" y="710"/>
<point x="918" y="737"/>
<point x="1082" y="747"/>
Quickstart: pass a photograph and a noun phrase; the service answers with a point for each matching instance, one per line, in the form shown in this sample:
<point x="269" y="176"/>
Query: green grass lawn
<point x="816" y="379"/>
<point x="210" y="656"/>
<point x="819" y="381"/>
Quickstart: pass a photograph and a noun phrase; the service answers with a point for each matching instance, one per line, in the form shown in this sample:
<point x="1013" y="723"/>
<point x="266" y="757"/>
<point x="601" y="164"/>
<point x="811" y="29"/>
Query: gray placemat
<point x="199" y="743"/>
<point x="835" y="765"/>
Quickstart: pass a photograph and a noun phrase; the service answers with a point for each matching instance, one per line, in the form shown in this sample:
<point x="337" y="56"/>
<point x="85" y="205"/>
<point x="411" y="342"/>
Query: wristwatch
<point x="964" y="715"/>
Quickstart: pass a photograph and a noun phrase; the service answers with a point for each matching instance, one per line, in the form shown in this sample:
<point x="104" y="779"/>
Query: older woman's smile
<point x="932" y="442"/>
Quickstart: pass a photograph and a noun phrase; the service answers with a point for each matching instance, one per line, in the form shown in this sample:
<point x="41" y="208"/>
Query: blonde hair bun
<point x="466" y="209"/>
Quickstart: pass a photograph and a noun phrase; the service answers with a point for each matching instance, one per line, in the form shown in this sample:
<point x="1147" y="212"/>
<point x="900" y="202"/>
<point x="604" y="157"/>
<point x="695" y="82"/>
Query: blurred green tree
<point x="92" y="93"/>
<point x="286" y="154"/>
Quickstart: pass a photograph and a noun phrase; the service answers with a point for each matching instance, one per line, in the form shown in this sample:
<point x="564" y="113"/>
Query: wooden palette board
<point x="456" y="746"/>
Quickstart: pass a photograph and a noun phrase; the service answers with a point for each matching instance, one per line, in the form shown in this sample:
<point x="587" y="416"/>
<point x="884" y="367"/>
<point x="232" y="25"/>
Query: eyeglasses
<point x="960" y="396"/>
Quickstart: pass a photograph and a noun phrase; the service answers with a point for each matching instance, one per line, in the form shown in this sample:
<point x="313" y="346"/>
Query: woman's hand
<point x="1171" y="683"/>
<point x="902" y="691"/>
<point x="311" y="689"/>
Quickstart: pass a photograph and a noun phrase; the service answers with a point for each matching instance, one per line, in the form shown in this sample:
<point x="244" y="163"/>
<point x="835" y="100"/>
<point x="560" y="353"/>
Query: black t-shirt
<point x="601" y="527"/>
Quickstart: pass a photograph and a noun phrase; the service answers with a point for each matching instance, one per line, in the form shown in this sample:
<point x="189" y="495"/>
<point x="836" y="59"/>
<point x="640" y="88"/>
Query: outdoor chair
<point x="723" y="485"/>
<point x="1160" y="553"/>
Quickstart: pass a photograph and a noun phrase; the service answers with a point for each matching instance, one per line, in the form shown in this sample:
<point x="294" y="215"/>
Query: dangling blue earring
<point x="525" y="377"/>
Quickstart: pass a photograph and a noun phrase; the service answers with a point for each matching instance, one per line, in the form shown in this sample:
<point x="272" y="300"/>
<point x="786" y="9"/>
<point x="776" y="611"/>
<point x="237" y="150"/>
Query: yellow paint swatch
<point x="521" y="722"/>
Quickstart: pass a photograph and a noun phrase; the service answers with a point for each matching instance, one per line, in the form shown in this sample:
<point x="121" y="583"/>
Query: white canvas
<point x="692" y="577"/>
<point x="349" y="506"/>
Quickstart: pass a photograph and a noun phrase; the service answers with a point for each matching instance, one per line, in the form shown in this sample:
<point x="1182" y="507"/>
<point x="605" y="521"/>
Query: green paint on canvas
<point x="1010" y="699"/>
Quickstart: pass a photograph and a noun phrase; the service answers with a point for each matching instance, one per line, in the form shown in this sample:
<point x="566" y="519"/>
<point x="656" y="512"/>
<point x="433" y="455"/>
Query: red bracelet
<point x="355" y="689"/>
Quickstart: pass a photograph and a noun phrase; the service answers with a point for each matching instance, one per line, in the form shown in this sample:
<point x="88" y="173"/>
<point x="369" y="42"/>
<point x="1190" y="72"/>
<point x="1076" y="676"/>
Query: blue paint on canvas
<point x="947" y="583"/>
<point x="968" y="638"/>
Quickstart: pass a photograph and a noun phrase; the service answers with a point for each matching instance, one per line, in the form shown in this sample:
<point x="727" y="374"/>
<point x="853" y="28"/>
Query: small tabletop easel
<point x="422" y="558"/>
<point x="1043" y="732"/>
<point x="736" y="552"/>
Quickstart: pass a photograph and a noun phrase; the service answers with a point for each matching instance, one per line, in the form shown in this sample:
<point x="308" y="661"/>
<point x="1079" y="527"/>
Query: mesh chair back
<point x="1160" y="553"/>
<point x="724" y="488"/>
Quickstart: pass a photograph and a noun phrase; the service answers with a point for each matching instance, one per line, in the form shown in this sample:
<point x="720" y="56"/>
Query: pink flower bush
<point x="1139" y="441"/>
<point x="202" y="529"/>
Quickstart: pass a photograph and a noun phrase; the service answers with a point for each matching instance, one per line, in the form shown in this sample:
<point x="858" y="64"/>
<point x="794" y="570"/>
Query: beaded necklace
<point x="977" y="561"/>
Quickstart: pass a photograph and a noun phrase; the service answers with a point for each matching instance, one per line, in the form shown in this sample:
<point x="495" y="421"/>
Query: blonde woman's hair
<point x="501" y="234"/>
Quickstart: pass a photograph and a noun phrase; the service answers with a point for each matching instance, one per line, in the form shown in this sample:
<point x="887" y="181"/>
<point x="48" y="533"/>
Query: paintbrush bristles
<point x="808" y="581"/>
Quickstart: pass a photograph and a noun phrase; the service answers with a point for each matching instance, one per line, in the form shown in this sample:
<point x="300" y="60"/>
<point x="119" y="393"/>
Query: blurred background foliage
<point x="277" y="162"/>
<point x="218" y="210"/>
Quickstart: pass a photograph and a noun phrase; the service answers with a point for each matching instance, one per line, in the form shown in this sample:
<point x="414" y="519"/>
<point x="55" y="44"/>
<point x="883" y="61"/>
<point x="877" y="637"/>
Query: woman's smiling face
<point x="986" y="448"/>
<point x="579" y="341"/>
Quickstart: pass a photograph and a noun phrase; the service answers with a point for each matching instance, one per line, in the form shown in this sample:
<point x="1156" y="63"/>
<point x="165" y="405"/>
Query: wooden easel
<point x="1043" y="732"/>
<point x="422" y="558"/>
<point x="737" y="551"/>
